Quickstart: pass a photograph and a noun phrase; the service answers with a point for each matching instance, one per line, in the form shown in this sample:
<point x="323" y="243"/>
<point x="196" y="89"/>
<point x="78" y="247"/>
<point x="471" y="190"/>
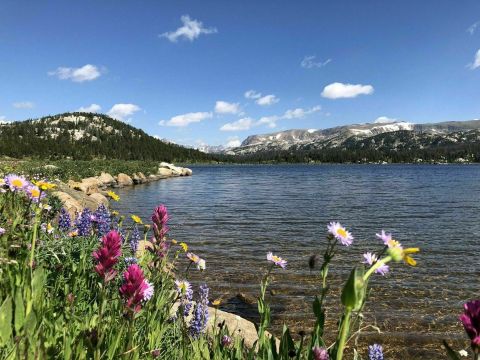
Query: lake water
<point x="233" y="215"/>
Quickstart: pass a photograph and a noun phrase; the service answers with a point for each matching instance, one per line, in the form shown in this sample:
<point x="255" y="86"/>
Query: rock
<point x="153" y="177"/>
<point x="164" y="172"/>
<point x="50" y="167"/>
<point x="124" y="180"/>
<point x="87" y="185"/>
<point x="82" y="199"/>
<point x="106" y="179"/>
<point x="142" y="176"/>
<point x="187" y="172"/>
<point x="137" y="179"/>
<point x="176" y="171"/>
<point x="69" y="203"/>
<point x="246" y="298"/>
<point x="100" y="199"/>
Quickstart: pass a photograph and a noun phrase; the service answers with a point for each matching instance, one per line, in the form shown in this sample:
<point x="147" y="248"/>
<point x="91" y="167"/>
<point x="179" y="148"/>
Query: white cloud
<point x="3" y="121"/>
<point x="339" y="90"/>
<point x="186" y="119"/>
<point x="233" y="141"/>
<point x="93" y="108"/>
<point x="271" y="121"/>
<point x="223" y="107"/>
<point x="384" y="119"/>
<point x="85" y="73"/>
<point x="241" y="124"/>
<point x="476" y="62"/>
<point x="267" y="100"/>
<point x="23" y="105"/>
<point x="472" y="28"/>
<point x="123" y="111"/>
<point x="252" y="94"/>
<point x="190" y="30"/>
<point x="310" y="62"/>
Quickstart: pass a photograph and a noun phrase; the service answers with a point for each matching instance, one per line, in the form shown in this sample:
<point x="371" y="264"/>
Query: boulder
<point x="142" y="176"/>
<point x="153" y="177"/>
<point x="186" y="172"/>
<point x="87" y="185"/>
<point x="79" y="196"/>
<point x="176" y="171"/>
<point x="137" y="179"/>
<point x="99" y="199"/>
<point x="124" y="180"/>
<point x="165" y="172"/>
<point x="69" y="203"/>
<point x="106" y="179"/>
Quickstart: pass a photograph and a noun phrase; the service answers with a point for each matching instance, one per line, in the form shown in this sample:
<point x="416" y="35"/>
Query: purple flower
<point x="160" y="219"/>
<point x="34" y="193"/>
<point x="371" y="259"/>
<point x="375" y="352"/>
<point x="130" y="260"/>
<point x="226" y="341"/>
<point x="471" y="322"/>
<point x="64" y="221"/>
<point x="148" y="293"/>
<point x="84" y="222"/>
<point x="134" y="239"/>
<point x="107" y="255"/>
<point x="185" y="294"/>
<point x="199" y="320"/>
<point x="2" y="231"/>
<point x="277" y="260"/>
<point x="16" y="182"/>
<point x="340" y="233"/>
<point x="320" y="353"/>
<point x="133" y="288"/>
<point x="102" y="220"/>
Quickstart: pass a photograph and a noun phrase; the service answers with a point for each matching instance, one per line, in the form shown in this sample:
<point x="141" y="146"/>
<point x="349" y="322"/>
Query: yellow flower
<point x="407" y="258"/>
<point x="217" y="302"/>
<point x="184" y="246"/>
<point x="73" y="233"/>
<point x="115" y="213"/>
<point x="113" y="196"/>
<point x="137" y="219"/>
<point x="174" y="242"/>
<point x="44" y="185"/>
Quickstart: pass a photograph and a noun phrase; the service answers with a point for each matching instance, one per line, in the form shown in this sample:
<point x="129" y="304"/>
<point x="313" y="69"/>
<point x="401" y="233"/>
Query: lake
<point x="233" y="215"/>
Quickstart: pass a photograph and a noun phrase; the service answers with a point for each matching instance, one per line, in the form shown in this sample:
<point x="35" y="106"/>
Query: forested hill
<point x="88" y="136"/>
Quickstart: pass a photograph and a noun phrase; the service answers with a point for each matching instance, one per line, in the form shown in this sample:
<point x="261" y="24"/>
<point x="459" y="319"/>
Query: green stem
<point x="345" y="327"/>
<point x="375" y="266"/>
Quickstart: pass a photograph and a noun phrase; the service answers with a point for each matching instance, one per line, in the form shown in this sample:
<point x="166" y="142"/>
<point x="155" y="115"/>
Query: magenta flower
<point x="107" y="255"/>
<point x="133" y="288"/>
<point x="160" y="219"/>
<point x="340" y="233"/>
<point x="277" y="260"/>
<point x="471" y="322"/>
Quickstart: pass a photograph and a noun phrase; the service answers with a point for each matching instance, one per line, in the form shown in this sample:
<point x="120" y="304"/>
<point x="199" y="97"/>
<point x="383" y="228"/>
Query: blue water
<point x="233" y="215"/>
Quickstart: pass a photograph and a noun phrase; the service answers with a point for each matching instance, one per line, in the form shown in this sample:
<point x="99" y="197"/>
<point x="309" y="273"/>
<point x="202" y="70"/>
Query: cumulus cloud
<point x="269" y="121"/>
<point x="190" y="30"/>
<point x="93" y="108"/>
<point x="123" y="111"/>
<point x="233" y="141"/>
<point x="267" y="100"/>
<point x="186" y="119"/>
<point x="310" y="62"/>
<point x="252" y="94"/>
<point x="339" y="90"/>
<point x="476" y="61"/>
<point x="87" y="72"/>
<point x="384" y="119"/>
<point x="241" y="124"/>
<point x="472" y="28"/>
<point x="23" y="105"/>
<point x="223" y="107"/>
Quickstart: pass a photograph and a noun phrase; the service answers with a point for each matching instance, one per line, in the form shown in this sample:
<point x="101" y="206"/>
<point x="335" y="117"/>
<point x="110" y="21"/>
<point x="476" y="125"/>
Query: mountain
<point x="87" y="136"/>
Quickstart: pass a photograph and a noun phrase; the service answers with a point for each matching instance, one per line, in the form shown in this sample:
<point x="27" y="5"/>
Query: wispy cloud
<point x="239" y="125"/>
<point x="233" y="141"/>
<point x="310" y="62"/>
<point x="186" y="119"/>
<point x="476" y="61"/>
<point x="339" y="90"/>
<point x="267" y="100"/>
<point x="190" y="30"/>
<point x="252" y="94"/>
<point x="23" y="105"/>
<point x="93" y="108"/>
<point x="223" y="107"/>
<point x="384" y="119"/>
<point x="85" y="73"/>
<point x="472" y="28"/>
<point x="123" y="111"/>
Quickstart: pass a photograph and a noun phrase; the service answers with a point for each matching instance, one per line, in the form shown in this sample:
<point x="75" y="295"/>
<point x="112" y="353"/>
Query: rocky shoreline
<point x="92" y="192"/>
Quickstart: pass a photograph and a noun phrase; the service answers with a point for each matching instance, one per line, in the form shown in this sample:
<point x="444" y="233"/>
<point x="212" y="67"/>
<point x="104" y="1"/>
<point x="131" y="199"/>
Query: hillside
<point x="87" y="136"/>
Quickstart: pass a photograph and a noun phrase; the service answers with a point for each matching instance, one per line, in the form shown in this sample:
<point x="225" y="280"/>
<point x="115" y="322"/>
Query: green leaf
<point x="19" y="311"/>
<point x="450" y="352"/>
<point x="6" y="321"/>
<point x="286" y="343"/>
<point x="353" y="292"/>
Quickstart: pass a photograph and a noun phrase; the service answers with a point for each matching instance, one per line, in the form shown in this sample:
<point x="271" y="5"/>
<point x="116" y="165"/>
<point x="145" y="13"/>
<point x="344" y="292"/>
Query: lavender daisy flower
<point x="340" y="233"/>
<point x="375" y="352"/>
<point x="16" y="182"/>
<point x="387" y="239"/>
<point x="102" y="219"/>
<point x="34" y="193"/>
<point x="148" y="293"/>
<point x="371" y="259"/>
<point x="134" y="238"/>
<point x="84" y="223"/>
<point x="320" y="353"/>
<point x="199" y="321"/>
<point x="64" y="221"/>
<point x="277" y="260"/>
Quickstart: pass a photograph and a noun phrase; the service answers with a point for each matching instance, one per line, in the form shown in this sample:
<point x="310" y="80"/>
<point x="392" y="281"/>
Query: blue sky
<point x="217" y="71"/>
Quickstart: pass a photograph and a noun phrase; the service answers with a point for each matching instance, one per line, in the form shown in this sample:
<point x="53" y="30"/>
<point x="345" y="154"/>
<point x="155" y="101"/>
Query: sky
<point x="215" y="72"/>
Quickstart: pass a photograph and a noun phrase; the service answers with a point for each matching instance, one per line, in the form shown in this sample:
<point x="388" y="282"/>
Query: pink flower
<point x="471" y="322"/>
<point x="107" y="255"/>
<point x="277" y="260"/>
<point x="134" y="288"/>
<point x="160" y="219"/>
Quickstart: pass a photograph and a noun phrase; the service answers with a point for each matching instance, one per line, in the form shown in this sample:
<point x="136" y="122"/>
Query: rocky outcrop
<point x="172" y="170"/>
<point x="124" y="180"/>
<point x="106" y="179"/>
<point x="100" y="199"/>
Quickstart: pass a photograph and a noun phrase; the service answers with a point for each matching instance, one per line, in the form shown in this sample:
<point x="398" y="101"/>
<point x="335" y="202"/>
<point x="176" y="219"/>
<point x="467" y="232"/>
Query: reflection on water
<point x="234" y="215"/>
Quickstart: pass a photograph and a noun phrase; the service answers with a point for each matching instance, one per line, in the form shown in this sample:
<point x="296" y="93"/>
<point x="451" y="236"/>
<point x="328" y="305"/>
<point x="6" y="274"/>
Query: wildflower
<point x="148" y="293"/>
<point x="160" y="219"/>
<point x="471" y="322"/>
<point x="463" y="353"/>
<point x="48" y="228"/>
<point x="34" y="193"/>
<point x="407" y="258"/>
<point x="102" y="219"/>
<point x="114" y="213"/>
<point x="216" y="302"/>
<point x="201" y="265"/>
<point x="130" y="260"/>
<point x="113" y="196"/>
<point x="73" y="233"/>
<point x="277" y="260"/>
<point x="107" y="255"/>
<point x="320" y="353"/>
<point x="137" y="219"/>
<point x="193" y="258"/>
<point x="2" y="231"/>
<point x="226" y="341"/>
<point x="184" y="246"/>
<point x="45" y="207"/>
<point x="199" y="320"/>
<point x="134" y="239"/>
<point x="84" y="222"/>
<point x="44" y="185"/>
<point x="185" y="293"/>
<point x="133" y="288"/>
<point x="15" y="182"/>
<point x="375" y="352"/>
<point x="340" y="233"/>
<point x="371" y="259"/>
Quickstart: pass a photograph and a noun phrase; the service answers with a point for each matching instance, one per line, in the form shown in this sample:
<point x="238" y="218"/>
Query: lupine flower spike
<point x="375" y="352"/>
